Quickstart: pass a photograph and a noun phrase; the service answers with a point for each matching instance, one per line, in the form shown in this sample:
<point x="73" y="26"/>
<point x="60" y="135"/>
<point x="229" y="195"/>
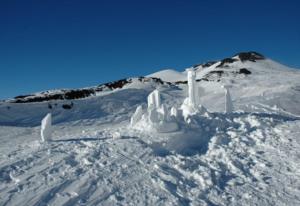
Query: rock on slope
<point x="249" y="157"/>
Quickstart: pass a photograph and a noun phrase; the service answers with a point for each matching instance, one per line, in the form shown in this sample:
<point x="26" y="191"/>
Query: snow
<point x="137" y="115"/>
<point x="112" y="149"/>
<point x="169" y="75"/>
<point x="154" y="99"/>
<point x="46" y="125"/>
<point x="192" y="101"/>
<point x="228" y="101"/>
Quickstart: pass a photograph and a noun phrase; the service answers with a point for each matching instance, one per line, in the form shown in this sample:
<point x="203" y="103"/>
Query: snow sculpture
<point x="156" y="118"/>
<point x="154" y="99"/>
<point x="192" y="94"/>
<point x="137" y="115"/>
<point x="46" y="129"/>
<point x="228" y="101"/>
<point x="163" y="112"/>
<point x="191" y="105"/>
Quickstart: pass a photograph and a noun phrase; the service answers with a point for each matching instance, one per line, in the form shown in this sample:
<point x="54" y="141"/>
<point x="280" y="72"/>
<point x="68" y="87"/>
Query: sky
<point x="54" y="44"/>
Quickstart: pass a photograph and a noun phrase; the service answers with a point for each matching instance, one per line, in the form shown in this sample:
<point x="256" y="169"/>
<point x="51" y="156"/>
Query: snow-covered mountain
<point x="95" y="157"/>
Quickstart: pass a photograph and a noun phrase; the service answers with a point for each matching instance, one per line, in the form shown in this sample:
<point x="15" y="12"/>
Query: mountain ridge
<point x="161" y="77"/>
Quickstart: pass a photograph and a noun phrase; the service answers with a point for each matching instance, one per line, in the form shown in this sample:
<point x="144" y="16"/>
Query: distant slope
<point x="256" y="83"/>
<point x="169" y="75"/>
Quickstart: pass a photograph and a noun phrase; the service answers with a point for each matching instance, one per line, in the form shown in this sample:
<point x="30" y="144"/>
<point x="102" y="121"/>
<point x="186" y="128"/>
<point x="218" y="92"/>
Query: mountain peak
<point x="242" y="56"/>
<point x="249" y="56"/>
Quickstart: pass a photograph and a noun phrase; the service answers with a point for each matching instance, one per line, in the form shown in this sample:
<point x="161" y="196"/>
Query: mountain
<point x="97" y="157"/>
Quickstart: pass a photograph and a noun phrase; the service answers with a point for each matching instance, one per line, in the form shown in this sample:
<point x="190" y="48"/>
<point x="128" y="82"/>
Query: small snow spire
<point x="228" y="101"/>
<point x="46" y="127"/>
<point x="154" y="99"/>
<point x="137" y="115"/>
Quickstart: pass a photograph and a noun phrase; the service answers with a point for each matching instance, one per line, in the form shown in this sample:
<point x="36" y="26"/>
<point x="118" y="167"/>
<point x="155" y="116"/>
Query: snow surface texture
<point x="95" y="157"/>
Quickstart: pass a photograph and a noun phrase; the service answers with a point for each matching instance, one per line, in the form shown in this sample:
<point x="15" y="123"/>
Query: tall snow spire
<point x="192" y="90"/>
<point x="154" y="99"/>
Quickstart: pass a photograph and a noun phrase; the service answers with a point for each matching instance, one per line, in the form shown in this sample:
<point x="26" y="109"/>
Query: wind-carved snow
<point x="191" y="105"/>
<point x="155" y="118"/>
<point x="114" y="149"/>
<point x="46" y="127"/>
<point x="158" y="118"/>
<point x="228" y="100"/>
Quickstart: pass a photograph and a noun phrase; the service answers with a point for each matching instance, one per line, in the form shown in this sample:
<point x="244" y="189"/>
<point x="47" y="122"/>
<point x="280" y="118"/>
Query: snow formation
<point x="155" y="118"/>
<point x="228" y="101"/>
<point x="46" y="127"/>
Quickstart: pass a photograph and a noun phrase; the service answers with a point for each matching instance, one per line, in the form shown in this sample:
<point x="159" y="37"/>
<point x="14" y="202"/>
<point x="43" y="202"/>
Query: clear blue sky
<point x="70" y="43"/>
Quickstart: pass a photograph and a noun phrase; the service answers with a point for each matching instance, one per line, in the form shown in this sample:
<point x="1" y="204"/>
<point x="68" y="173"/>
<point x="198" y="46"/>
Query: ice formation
<point x="46" y="129"/>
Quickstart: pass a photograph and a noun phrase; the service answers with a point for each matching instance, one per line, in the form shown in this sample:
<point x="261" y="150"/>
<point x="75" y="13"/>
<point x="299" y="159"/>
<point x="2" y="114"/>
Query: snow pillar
<point x="192" y="93"/>
<point x="174" y="112"/>
<point x="137" y="115"/>
<point x="153" y="116"/>
<point x="154" y="99"/>
<point x="46" y="129"/>
<point x="228" y="101"/>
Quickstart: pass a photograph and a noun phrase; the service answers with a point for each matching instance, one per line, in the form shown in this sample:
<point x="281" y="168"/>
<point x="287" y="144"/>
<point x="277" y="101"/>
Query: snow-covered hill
<point x="248" y="157"/>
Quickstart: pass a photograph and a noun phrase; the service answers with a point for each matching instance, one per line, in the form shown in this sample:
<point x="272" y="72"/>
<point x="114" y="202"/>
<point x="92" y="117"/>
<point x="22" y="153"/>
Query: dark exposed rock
<point x="217" y="72"/>
<point x="39" y="98"/>
<point x="202" y="79"/>
<point x="243" y="56"/>
<point x="22" y="96"/>
<point x="250" y="56"/>
<point x="204" y="65"/>
<point x="78" y="94"/>
<point x="208" y="64"/>
<point x="68" y="106"/>
<point x="49" y="106"/>
<point x="216" y="75"/>
<point x="82" y="93"/>
<point x="244" y="71"/>
<point x="226" y="61"/>
<point x="181" y="82"/>
<point x="117" y="84"/>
